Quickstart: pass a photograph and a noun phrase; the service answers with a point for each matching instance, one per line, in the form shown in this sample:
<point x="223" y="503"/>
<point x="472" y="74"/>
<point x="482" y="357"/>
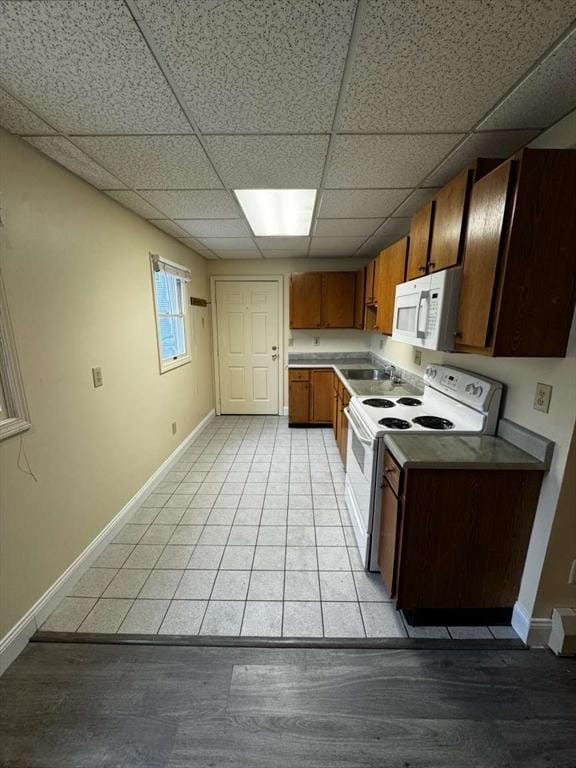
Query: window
<point x="13" y="409"/>
<point x="170" y="301"/>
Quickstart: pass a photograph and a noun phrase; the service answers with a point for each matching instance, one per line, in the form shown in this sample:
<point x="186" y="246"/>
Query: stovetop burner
<point x="395" y="423"/>
<point x="409" y="401"/>
<point x="433" y="422"/>
<point x="378" y="402"/>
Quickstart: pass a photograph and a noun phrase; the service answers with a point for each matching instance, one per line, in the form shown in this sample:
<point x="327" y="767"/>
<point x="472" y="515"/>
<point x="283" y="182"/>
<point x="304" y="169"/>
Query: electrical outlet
<point x="97" y="378"/>
<point x="291" y="341"/>
<point x="381" y="343"/>
<point x="418" y="357"/>
<point x="542" y="397"/>
<point x="173" y="427"/>
<point x="316" y="340"/>
<point x="572" y="575"/>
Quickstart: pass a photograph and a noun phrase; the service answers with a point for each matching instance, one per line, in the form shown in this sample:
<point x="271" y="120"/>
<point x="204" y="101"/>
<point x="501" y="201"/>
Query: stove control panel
<point x="462" y="385"/>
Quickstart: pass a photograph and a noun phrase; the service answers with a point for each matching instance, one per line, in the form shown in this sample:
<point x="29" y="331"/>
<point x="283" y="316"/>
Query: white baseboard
<point x="14" y="642"/>
<point x="534" y="632"/>
<point x="285" y="410"/>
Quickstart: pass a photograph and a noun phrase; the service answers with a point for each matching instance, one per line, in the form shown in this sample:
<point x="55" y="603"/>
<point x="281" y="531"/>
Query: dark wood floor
<point x="98" y="706"/>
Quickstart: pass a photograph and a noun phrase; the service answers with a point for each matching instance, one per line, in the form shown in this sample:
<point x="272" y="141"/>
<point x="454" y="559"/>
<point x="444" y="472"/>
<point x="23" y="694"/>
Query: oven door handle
<point x="357" y="429"/>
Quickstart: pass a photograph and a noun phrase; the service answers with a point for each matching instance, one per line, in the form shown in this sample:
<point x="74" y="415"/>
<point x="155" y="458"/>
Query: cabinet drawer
<point x="299" y="374"/>
<point x="392" y="472"/>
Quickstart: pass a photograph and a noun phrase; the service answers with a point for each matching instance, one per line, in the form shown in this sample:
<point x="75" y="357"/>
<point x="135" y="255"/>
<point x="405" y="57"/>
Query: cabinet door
<point x="359" y="303"/>
<point x="450" y="211"/>
<point x="391" y="273"/>
<point x="305" y="299"/>
<point x="484" y="239"/>
<point x="338" y="297"/>
<point x="335" y="405"/>
<point x="369" y="297"/>
<point x="389" y="517"/>
<point x="420" y="240"/>
<point x="298" y="397"/>
<point x="321" y="396"/>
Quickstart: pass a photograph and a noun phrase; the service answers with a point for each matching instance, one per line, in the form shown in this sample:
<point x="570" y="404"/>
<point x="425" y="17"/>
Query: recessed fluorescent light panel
<point x="278" y="212"/>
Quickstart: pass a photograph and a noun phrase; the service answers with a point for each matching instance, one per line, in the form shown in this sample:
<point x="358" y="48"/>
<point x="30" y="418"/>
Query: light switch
<point x="542" y="397"/>
<point x="97" y="377"/>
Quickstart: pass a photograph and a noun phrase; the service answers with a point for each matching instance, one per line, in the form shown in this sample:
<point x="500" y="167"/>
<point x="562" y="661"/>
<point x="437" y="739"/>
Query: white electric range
<point x="454" y="402"/>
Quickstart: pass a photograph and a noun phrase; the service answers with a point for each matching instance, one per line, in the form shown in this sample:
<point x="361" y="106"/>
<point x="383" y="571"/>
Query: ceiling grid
<point x="170" y="105"/>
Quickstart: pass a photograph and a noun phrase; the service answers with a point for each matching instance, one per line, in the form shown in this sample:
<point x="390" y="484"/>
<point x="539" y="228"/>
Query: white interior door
<point x="248" y="346"/>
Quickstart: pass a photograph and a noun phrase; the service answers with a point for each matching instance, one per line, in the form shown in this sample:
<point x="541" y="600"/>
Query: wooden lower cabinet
<point x="310" y="396"/>
<point x="456" y="539"/>
<point x="321" y="396"/>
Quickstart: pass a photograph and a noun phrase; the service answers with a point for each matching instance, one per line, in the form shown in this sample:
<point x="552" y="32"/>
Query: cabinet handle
<point x="458" y="334"/>
<point x="388" y="470"/>
<point x="431" y="264"/>
<point x="421" y="269"/>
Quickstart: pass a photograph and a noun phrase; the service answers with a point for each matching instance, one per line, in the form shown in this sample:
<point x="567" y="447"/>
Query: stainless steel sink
<point x="363" y="374"/>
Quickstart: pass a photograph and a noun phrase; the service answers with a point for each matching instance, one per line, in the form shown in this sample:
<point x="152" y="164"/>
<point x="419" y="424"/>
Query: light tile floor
<point x="247" y="535"/>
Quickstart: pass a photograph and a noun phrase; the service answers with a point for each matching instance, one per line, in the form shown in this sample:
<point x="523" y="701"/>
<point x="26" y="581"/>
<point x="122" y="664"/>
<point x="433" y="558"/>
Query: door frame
<point x="279" y="280"/>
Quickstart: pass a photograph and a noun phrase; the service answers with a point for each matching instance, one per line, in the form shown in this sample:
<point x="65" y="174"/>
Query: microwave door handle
<point x="358" y="431"/>
<point x="423" y="298"/>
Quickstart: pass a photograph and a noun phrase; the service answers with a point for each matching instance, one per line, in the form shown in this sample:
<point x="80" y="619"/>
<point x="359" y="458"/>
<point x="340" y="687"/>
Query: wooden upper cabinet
<point x="420" y="241"/>
<point x="370" y="297"/>
<point x="338" y="299"/>
<point x="451" y="207"/>
<point x="488" y="207"/>
<point x="323" y="300"/>
<point x="519" y="273"/>
<point x="359" y="301"/>
<point x="305" y="299"/>
<point x="392" y="270"/>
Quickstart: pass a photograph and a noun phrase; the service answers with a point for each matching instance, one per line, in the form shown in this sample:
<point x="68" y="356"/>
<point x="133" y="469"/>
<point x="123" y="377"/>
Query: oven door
<point x="410" y="314"/>
<point x="360" y="483"/>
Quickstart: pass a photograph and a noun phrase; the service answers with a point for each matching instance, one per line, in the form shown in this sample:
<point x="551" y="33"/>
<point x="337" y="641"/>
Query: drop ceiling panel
<point x="135" y="203"/>
<point x="386" y="161"/>
<point x="440" y="65"/>
<point x="358" y="203"/>
<point x="16" y="118"/>
<point x="228" y="243"/>
<point x="337" y="246"/>
<point x="72" y="158"/>
<point x="294" y="254"/>
<point x="491" y="144"/>
<point x="214" y="227"/>
<point x="193" y="204"/>
<point x="544" y="97"/>
<point x="270" y="162"/>
<point x="254" y="65"/>
<point x="169" y="227"/>
<point x="346" y="227"/>
<point x="85" y="66"/>
<point x="389" y="232"/>
<point x="254" y="254"/>
<point x="415" y="201"/>
<point x="282" y="243"/>
<point x="154" y="162"/>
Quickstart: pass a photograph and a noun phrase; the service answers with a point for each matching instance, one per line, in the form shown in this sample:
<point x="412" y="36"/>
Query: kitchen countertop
<point x="459" y="451"/>
<point x="355" y="387"/>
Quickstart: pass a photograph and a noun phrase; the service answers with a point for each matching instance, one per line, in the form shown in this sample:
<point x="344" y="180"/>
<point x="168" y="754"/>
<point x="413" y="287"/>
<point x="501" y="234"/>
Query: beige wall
<point x="554" y="590"/>
<point x="77" y="276"/>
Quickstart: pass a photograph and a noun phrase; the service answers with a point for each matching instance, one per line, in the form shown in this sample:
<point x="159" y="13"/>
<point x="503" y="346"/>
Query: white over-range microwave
<point x="426" y="309"/>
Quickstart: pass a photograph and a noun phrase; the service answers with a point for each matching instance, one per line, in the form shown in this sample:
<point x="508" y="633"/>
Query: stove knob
<point x="430" y="371"/>
<point x="479" y="391"/>
<point x="470" y="388"/>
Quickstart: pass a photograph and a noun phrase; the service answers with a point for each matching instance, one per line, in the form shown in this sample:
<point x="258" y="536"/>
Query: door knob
<point x="274" y="348"/>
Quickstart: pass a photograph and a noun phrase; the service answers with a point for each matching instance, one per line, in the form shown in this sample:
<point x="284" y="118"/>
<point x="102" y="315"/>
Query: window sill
<point x="11" y="427"/>
<point x="169" y="365"/>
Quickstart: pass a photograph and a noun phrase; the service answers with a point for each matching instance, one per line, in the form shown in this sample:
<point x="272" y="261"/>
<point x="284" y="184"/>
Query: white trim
<point x="534" y="632"/>
<point x="279" y="280"/>
<point x="166" y="365"/>
<point x="14" y="642"/>
<point x="285" y="411"/>
<point x="13" y="387"/>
